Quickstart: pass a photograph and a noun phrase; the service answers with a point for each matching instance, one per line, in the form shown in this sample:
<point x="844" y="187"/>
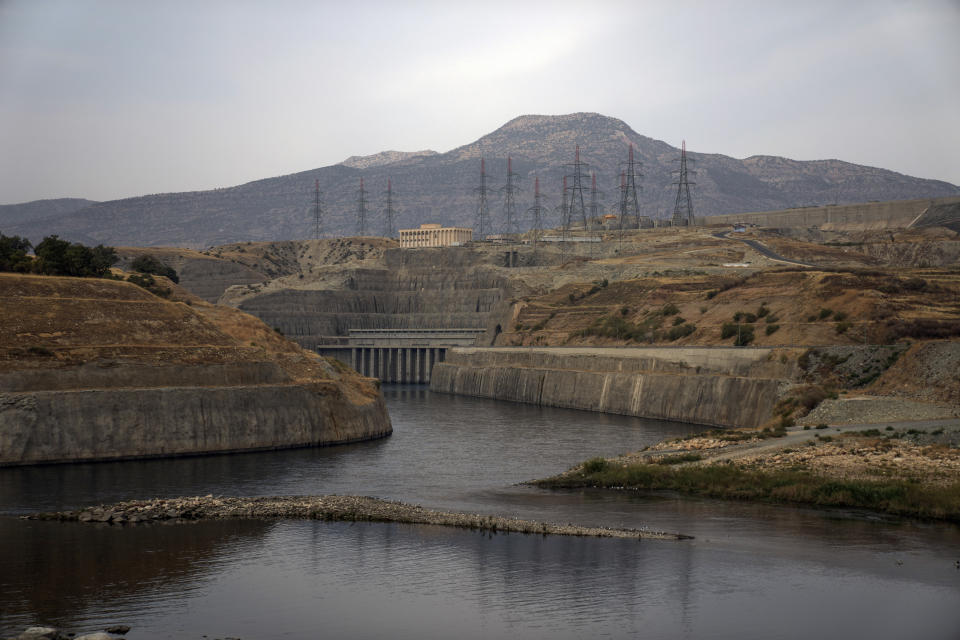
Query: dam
<point x="396" y="355"/>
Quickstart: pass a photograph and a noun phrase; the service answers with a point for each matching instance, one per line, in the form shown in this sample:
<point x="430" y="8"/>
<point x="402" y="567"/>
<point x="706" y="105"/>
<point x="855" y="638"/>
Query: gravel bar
<point x="345" y="508"/>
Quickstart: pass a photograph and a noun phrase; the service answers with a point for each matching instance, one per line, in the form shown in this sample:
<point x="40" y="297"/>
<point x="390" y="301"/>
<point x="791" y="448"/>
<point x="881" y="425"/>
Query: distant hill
<point x="39" y="210"/>
<point x="438" y="187"/>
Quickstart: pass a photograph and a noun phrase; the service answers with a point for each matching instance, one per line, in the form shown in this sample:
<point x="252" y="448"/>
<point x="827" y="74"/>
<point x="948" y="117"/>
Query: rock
<point x="99" y="635"/>
<point x="35" y="633"/>
<point x="119" y="629"/>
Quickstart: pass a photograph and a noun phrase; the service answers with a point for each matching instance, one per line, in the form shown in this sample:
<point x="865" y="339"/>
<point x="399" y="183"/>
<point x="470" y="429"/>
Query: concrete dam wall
<point x="109" y="424"/>
<point x="711" y="386"/>
<point x="848" y="217"/>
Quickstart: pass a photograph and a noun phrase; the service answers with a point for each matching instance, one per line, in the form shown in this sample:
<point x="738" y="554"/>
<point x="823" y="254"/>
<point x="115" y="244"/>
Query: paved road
<point x="764" y="250"/>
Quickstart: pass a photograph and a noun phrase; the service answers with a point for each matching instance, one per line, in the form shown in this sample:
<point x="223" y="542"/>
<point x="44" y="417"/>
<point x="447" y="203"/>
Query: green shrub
<point x="148" y="264"/>
<point x="727" y="330"/>
<point x="825" y="313"/>
<point x="680" y="331"/>
<point x="678" y="321"/>
<point x="772" y="328"/>
<point x="771" y="319"/>
<point x="840" y="316"/>
<point x="745" y="336"/>
<point x="712" y="294"/>
<point x="669" y="309"/>
<point x="812" y="318"/>
<point x="762" y="311"/>
<point x="595" y="465"/>
<point x="842" y="327"/>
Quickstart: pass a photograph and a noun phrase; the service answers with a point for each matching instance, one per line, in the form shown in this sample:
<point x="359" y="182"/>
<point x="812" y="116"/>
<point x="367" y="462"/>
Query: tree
<point x="149" y="264"/>
<point x="13" y="254"/>
<point x="58" y="257"/>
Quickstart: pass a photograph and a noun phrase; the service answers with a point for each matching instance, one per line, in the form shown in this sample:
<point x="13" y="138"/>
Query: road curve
<point x="764" y="250"/>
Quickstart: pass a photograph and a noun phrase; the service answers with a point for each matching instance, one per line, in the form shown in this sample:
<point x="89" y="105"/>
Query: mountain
<point x="438" y="187"/>
<point x="40" y="209"/>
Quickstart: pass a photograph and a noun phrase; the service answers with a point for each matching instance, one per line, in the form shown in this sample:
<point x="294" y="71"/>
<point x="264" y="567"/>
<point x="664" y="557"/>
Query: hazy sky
<point x="107" y="99"/>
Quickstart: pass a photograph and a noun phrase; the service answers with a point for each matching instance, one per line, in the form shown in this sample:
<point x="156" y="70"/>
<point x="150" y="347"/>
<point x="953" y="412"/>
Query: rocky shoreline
<point x="330" y="507"/>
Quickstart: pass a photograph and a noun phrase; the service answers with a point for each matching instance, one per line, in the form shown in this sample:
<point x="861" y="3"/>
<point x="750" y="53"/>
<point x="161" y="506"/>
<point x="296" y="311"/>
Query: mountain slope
<point x="432" y="187"/>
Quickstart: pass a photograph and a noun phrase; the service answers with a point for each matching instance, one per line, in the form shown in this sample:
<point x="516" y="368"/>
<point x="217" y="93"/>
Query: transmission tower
<point x="483" y="207"/>
<point x="361" y="210"/>
<point x="630" y="206"/>
<point x="389" y="228"/>
<point x="577" y="210"/>
<point x="564" y="211"/>
<point x="317" y="211"/>
<point x="595" y="196"/>
<point x="511" y="224"/>
<point x="538" y="211"/>
<point x="623" y="208"/>
<point x="683" y="209"/>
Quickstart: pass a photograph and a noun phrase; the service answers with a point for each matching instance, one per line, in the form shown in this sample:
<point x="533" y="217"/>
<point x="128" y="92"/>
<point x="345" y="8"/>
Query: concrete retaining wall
<point x="70" y="426"/>
<point x="652" y="385"/>
<point x="850" y="217"/>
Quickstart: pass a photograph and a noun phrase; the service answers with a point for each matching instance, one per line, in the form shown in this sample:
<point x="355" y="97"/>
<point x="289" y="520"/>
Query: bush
<point x="680" y="331"/>
<point x="670" y="309"/>
<point x="745" y="336"/>
<point x="744" y="316"/>
<point x="772" y="319"/>
<point x="762" y="311"/>
<point x="772" y="328"/>
<point x="595" y="465"/>
<point x="842" y="327"/>
<point x="825" y="313"/>
<point x="840" y="316"/>
<point x="727" y="330"/>
<point x="678" y="321"/>
<point x="712" y="294"/>
<point x="148" y="264"/>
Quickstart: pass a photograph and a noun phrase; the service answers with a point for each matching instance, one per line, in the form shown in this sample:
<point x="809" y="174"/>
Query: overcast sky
<point x="108" y="99"/>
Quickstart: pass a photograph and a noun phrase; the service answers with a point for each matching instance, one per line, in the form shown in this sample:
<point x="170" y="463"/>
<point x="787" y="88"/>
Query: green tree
<point x="13" y="254"/>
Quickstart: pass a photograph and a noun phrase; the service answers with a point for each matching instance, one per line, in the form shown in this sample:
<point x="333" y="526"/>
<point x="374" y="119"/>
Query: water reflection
<point x="752" y="571"/>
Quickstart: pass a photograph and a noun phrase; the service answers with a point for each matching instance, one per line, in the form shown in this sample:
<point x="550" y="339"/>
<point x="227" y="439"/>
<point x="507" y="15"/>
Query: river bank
<point x="336" y="508"/>
<point x="911" y="470"/>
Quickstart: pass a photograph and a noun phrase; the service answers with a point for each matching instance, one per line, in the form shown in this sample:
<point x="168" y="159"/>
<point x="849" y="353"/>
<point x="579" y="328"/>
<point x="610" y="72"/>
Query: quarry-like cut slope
<point x="98" y="369"/>
<point x="421" y="289"/>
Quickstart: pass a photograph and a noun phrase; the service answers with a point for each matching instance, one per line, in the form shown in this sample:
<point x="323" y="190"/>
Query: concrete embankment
<point x="711" y="386"/>
<point x="104" y="370"/>
<point x="848" y="217"/>
<point x="110" y="424"/>
<point x="345" y="508"/>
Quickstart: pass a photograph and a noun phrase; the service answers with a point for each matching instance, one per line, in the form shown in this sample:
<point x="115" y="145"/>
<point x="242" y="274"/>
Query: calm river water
<point x="751" y="572"/>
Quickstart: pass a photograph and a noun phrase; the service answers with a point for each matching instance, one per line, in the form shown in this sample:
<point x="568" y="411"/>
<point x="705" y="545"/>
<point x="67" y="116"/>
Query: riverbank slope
<point x="99" y="369"/>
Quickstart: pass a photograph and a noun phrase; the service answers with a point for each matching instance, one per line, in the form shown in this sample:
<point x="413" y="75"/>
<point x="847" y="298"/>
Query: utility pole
<point x="683" y="209"/>
<point x="361" y="210"/>
<point x="512" y="187"/>
<point x="389" y="228"/>
<point x="317" y="212"/>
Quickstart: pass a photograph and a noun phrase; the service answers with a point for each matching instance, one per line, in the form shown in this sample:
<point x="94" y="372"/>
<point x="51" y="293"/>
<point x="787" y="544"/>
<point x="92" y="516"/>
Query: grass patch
<point x="728" y="481"/>
<point x="679" y="458"/>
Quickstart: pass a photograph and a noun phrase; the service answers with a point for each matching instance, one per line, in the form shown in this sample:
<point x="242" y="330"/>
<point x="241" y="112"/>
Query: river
<point x="751" y="571"/>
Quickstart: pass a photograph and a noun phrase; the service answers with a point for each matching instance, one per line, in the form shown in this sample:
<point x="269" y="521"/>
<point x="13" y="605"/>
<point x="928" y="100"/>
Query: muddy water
<point x="752" y="571"/>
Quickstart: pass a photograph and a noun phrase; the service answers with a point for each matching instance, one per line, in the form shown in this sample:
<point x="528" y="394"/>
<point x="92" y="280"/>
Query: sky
<point x="105" y="99"/>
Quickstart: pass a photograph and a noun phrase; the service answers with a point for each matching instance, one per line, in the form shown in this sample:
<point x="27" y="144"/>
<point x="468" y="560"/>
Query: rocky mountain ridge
<point x="439" y="187"/>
